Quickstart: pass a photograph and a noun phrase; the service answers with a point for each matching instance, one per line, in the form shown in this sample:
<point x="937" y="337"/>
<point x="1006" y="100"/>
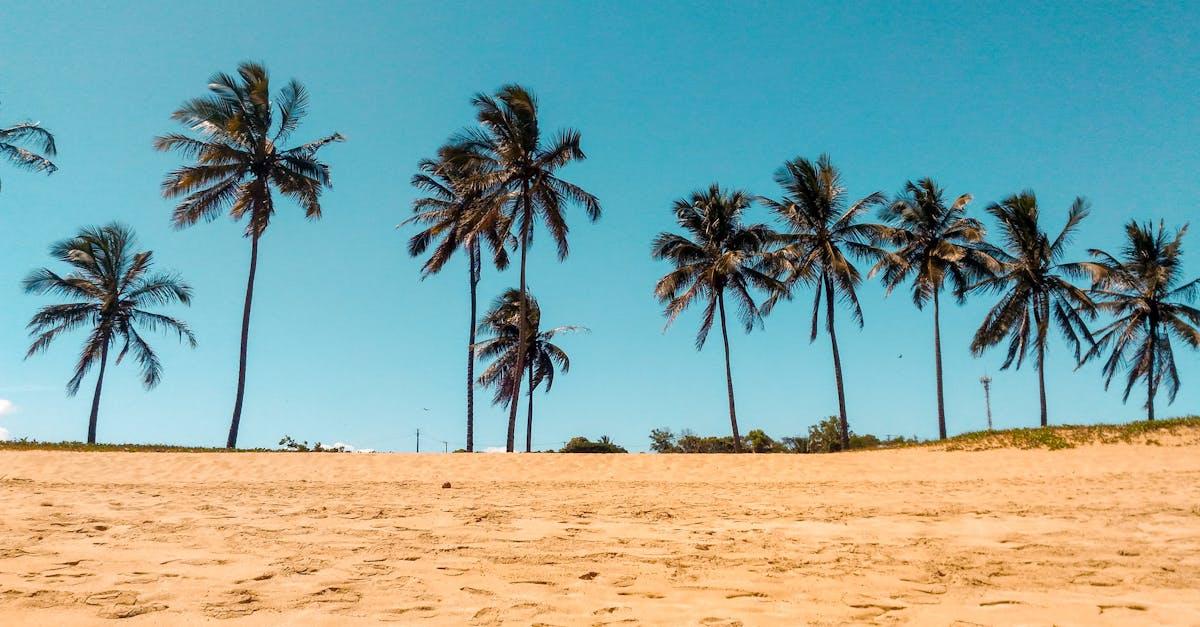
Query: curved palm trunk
<point x="529" y="418"/>
<point x="1151" y="383"/>
<point x="519" y="366"/>
<point x="91" y="438"/>
<point x="837" y="365"/>
<point x="474" y="280"/>
<point x="231" y="442"/>
<point x="737" y="438"/>
<point x="937" y="358"/>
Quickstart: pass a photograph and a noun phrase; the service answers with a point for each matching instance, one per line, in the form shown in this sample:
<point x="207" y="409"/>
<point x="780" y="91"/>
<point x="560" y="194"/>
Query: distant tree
<point x="13" y="147"/>
<point x="113" y="290"/>
<point x="1035" y="286"/>
<point x="584" y="445"/>
<point x="1145" y="292"/>
<point x="239" y="159"/>
<point x="662" y="441"/>
<point x="719" y="255"/>
<point x="760" y="442"/>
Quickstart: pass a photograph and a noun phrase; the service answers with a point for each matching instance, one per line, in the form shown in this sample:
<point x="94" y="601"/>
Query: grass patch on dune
<point x="1068" y="436"/>
<point x="34" y="445"/>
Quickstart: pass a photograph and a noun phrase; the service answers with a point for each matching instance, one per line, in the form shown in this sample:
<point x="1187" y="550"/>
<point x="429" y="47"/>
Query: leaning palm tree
<point x="825" y="236"/>
<point x="719" y="255"/>
<point x="451" y="216"/>
<point x="543" y="356"/>
<point x="1146" y="293"/>
<point x="112" y="287"/>
<point x="1036" y="287"/>
<point x="932" y="242"/>
<point x="521" y="164"/>
<point x="13" y="147"/>
<point x="239" y="159"/>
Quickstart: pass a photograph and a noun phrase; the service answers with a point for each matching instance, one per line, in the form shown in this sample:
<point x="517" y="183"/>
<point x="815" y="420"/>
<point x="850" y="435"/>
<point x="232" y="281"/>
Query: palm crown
<point x="13" y="142"/>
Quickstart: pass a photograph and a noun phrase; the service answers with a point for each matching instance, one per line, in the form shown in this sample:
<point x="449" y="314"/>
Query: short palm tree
<point x="1145" y="292"/>
<point x="720" y="254"/>
<point x="825" y="236"/>
<point x="1035" y="286"/>
<point x="112" y="288"/>
<point x="932" y="241"/>
<point x="239" y="159"/>
<point x="522" y="165"/>
<point x="451" y="219"/>
<point x="13" y="147"/>
<point x="543" y="355"/>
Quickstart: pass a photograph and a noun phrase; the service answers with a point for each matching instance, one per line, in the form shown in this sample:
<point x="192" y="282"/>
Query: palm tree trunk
<point x="91" y="439"/>
<point x="523" y="320"/>
<point x="1151" y="388"/>
<point x="837" y="365"/>
<point x="529" y="418"/>
<point x="474" y="280"/>
<point x="231" y="442"/>
<point x="1041" y="366"/>
<point x="737" y="438"/>
<point x="937" y="358"/>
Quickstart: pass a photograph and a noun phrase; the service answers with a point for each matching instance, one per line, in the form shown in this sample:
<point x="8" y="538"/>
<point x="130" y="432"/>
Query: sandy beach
<point x="1092" y="535"/>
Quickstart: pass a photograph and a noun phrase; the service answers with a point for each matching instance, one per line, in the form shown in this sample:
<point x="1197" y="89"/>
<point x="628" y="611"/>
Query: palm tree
<point x="1144" y="291"/>
<point x="932" y="242"/>
<point x="13" y="140"/>
<point x="238" y="161"/>
<point x="113" y="287"/>
<point x="451" y="216"/>
<point x="522" y="165"/>
<point x="824" y="233"/>
<point x="722" y="255"/>
<point x="1035" y="286"/>
<point x="543" y="355"/>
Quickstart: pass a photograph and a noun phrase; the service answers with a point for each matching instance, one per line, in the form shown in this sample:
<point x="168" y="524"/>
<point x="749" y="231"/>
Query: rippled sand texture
<point x="1102" y="534"/>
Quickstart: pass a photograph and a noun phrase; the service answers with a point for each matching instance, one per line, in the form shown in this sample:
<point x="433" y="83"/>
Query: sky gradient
<point x="348" y="344"/>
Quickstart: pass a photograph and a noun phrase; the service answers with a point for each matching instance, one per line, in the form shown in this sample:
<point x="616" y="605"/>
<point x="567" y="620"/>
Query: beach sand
<point x="1092" y="535"/>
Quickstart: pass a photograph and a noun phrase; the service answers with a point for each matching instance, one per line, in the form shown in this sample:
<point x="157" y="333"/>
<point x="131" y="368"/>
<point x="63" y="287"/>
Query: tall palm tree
<point x="451" y="215"/>
<point x="13" y="142"/>
<point x="825" y="236"/>
<point x="1146" y="293"/>
<point x="523" y="165"/>
<point x="238" y="160"/>
<point x="1036" y="287"/>
<point x="113" y="288"/>
<point x="720" y="254"/>
<point x="543" y="355"/>
<point x="933" y="241"/>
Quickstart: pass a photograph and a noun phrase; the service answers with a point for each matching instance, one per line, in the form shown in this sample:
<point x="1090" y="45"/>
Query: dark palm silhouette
<point x="14" y="147"/>
<point x="543" y="356"/>
<point x="1145" y="292"/>
<point x="238" y="160"/>
<point x="452" y="216"/>
<point x="521" y="164"/>
<point x="112" y="288"/>
<point x="825" y="235"/>
<point x="719" y="254"/>
<point x="1035" y="287"/>
<point x="933" y="241"/>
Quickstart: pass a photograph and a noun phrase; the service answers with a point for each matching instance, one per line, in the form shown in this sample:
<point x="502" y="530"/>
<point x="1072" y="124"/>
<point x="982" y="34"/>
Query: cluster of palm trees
<point x="493" y="183"/>
<point x="931" y="244"/>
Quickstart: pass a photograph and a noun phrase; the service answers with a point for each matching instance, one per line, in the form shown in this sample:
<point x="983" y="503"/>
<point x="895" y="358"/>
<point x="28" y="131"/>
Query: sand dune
<point x="1095" y="535"/>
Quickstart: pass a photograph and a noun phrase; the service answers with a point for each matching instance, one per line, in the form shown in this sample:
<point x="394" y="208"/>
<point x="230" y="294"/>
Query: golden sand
<point x="1092" y="535"/>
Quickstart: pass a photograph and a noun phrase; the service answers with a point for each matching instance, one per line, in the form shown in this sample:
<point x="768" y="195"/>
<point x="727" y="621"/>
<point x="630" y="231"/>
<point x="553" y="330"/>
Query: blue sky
<point x="349" y="345"/>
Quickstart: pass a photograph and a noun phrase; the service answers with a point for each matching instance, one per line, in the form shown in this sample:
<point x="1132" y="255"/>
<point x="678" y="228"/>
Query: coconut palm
<point x="14" y="142"/>
<point x="1144" y="290"/>
<point x="1035" y="286"/>
<point x="720" y="254"/>
<point x="238" y="160"/>
<point x="450" y="215"/>
<point x="112" y="288"/>
<point x="543" y="356"/>
<point x="825" y="236"/>
<point x="932" y="241"/>
<point x="522" y="165"/>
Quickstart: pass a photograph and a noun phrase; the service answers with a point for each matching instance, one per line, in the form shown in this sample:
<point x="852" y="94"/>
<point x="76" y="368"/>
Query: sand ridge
<point x="1100" y="534"/>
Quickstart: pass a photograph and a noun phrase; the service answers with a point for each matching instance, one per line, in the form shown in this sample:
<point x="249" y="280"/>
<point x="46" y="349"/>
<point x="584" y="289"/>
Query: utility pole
<point x="987" y="397"/>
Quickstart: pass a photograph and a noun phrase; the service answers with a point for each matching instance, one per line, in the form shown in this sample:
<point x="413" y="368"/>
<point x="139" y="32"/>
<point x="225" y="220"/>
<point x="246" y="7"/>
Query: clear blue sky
<point x="348" y="344"/>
